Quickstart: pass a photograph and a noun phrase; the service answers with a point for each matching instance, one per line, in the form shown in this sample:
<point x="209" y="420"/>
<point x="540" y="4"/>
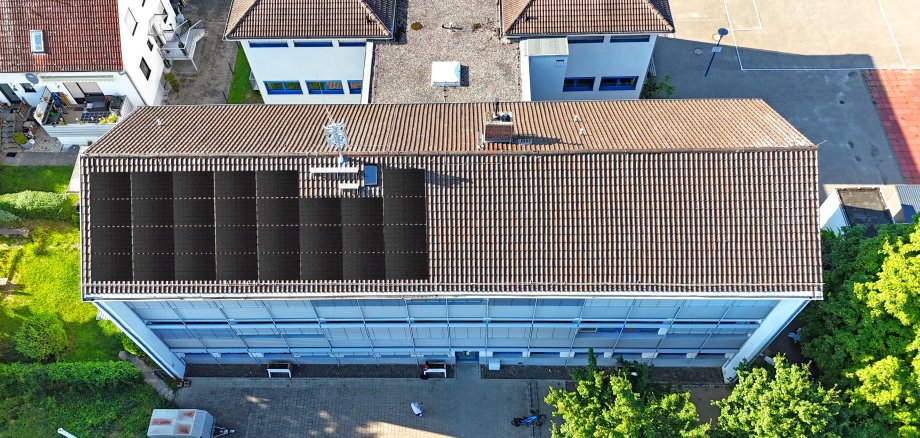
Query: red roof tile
<point x="79" y="35"/>
<point x="566" y="17"/>
<point x="310" y="19"/>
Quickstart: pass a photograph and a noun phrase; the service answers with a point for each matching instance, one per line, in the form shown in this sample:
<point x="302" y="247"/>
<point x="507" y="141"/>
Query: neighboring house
<point x="871" y="205"/>
<point x="79" y="62"/>
<point x="677" y="233"/>
<point x="310" y="52"/>
<point x="585" y="50"/>
<point x="303" y="51"/>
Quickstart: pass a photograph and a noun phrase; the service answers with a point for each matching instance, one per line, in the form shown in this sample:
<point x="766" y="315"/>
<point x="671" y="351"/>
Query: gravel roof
<point x="490" y="68"/>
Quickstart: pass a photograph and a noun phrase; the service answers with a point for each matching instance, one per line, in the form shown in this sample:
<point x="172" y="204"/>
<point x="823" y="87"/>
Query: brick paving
<point x="464" y="406"/>
<point x="897" y="97"/>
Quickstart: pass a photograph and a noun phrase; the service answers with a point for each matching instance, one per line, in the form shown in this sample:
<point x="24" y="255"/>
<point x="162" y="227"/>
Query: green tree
<point x="606" y="406"/>
<point x="780" y="403"/>
<point x="41" y="336"/>
<point x="865" y="336"/>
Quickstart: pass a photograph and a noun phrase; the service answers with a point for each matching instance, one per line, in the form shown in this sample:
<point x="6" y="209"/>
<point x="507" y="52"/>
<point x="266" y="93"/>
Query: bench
<point x="283" y="368"/>
<point x="435" y="368"/>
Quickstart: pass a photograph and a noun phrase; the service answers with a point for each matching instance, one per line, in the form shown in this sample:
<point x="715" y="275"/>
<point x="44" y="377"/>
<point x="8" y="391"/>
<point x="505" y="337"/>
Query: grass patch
<point x="39" y="178"/>
<point x="45" y="271"/>
<point x="240" y="89"/>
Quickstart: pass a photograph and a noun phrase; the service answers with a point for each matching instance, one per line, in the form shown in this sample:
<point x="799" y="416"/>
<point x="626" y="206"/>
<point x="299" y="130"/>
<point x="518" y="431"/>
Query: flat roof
<point x="864" y="206"/>
<point x="490" y="68"/>
<point x="676" y="219"/>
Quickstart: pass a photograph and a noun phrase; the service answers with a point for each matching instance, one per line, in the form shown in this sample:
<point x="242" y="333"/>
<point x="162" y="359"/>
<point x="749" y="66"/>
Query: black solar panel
<point x="316" y="266"/>
<point x="147" y="211"/>
<point x="110" y="267"/>
<point x="278" y="267"/>
<point x="405" y="238"/>
<point x="109" y="185"/>
<point x="154" y="267"/>
<point x="239" y="267"/>
<point x="111" y="241"/>
<point x="194" y="240"/>
<point x="235" y="239"/>
<point x="195" y="267"/>
<point x="412" y="266"/>
<point x="404" y="211"/>
<point x="363" y="266"/>
<point x="234" y="184"/>
<point x="151" y="185"/>
<point x="153" y="240"/>
<point x="320" y="211"/>
<point x="277" y="184"/>
<point x="320" y="239"/>
<point x="235" y="211"/>
<point x="403" y="182"/>
<point x="281" y="211"/>
<point x="362" y="238"/>
<point x="110" y="213"/>
<point x="279" y="239"/>
<point x="193" y="184"/>
<point x="362" y="211"/>
<point x="193" y="212"/>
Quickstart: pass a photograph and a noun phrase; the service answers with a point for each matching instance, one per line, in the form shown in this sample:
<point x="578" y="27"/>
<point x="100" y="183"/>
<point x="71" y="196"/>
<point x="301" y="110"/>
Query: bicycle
<point x="535" y="418"/>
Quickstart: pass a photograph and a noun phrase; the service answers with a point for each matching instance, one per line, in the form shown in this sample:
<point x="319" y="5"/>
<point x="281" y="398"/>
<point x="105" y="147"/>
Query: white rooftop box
<point x="445" y="74"/>
<point x="180" y="423"/>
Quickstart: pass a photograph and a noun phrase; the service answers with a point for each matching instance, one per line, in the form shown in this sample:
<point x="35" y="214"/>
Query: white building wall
<point x="594" y="60"/>
<point x="304" y="64"/>
<point x="134" y="45"/>
<point x="781" y="315"/>
<point x="830" y="215"/>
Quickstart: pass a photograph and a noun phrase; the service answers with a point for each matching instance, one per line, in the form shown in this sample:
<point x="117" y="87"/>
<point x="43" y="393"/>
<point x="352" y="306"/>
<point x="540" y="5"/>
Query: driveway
<point x="459" y="407"/>
<point x="213" y="56"/>
<point x="812" y="79"/>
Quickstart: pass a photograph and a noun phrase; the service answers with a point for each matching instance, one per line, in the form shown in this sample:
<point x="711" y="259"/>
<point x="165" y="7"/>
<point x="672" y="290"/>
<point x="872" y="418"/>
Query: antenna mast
<point x="337" y="135"/>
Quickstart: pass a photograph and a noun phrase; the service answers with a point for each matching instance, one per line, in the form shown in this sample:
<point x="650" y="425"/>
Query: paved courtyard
<point x="213" y="57"/>
<point x="460" y="407"/>
<point x="812" y="77"/>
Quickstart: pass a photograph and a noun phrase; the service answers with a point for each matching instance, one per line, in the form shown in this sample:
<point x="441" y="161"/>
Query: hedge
<point x="9" y="220"/>
<point x="73" y="376"/>
<point x="38" y="205"/>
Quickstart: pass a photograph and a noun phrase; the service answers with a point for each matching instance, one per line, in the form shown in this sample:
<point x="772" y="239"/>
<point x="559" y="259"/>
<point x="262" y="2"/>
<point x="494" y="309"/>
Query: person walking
<point x="416" y="408"/>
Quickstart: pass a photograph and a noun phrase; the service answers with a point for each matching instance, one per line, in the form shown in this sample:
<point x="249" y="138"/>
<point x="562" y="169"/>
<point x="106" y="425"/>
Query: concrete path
<point x="461" y="407"/>
<point x="213" y="57"/>
<point x="41" y="159"/>
<point x="161" y="387"/>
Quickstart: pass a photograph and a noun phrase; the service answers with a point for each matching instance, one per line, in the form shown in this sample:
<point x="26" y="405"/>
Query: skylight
<point x="37" y="41"/>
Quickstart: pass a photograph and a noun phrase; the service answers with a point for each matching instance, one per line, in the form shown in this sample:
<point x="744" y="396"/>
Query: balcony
<point x="78" y="122"/>
<point x="179" y="44"/>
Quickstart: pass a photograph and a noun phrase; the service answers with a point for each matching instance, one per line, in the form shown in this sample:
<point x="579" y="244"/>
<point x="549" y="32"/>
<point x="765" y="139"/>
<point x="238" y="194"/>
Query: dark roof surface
<point x="616" y="220"/>
<point x="310" y="19"/>
<point x="864" y="206"/>
<point x="79" y="36"/>
<point x="566" y="17"/>
<point x="451" y="128"/>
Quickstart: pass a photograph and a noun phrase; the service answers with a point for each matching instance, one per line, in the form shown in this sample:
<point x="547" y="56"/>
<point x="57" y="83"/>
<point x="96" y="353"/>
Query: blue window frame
<point x="578" y="84"/>
<point x="325" y="87"/>
<point x="619" y="83"/>
<point x="352" y="44"/>
<point x="312" y="43"/>
<point x="263" y="44"/>
<point x="283" y="87"/>
<point x="630" y="39"/>
<point x="354" y="87"/>
<point x="586" y="39"/>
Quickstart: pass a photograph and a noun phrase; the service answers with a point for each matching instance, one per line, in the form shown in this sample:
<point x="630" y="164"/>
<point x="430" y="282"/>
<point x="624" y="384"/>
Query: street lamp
<point x="718" y="48"/>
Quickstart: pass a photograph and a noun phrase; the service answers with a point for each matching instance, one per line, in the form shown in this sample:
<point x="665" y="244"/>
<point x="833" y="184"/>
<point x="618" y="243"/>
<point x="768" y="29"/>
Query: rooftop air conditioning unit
<point x="445" y="74"/>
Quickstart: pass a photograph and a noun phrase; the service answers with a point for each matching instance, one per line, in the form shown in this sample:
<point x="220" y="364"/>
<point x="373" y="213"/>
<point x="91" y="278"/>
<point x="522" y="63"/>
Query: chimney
<point x="499" y="128"/>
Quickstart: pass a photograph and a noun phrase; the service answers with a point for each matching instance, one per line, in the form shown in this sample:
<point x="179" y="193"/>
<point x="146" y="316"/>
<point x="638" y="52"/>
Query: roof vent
<point x="500" y="129"/>
<point x="37" y="41"/>
<point x="445" y="74"/>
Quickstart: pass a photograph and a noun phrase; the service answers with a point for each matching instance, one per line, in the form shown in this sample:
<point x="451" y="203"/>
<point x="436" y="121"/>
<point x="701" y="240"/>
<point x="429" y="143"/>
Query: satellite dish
<point x="31" y="77"/>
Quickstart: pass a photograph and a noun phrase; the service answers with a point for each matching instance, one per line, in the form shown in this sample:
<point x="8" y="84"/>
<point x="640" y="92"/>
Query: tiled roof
<point x="251" y="19"/>
<point x="566" y="17"/>
<point x="676" y="218"/>
<point x="451" y="128"/>
<point x="79" y="36"/>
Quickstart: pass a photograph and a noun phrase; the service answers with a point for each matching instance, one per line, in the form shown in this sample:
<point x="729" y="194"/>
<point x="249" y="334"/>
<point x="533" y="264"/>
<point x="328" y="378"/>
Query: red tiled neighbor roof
<point x="79" y="35"/>
<point x="566" y="17"/>
<point x="310" y="19"/>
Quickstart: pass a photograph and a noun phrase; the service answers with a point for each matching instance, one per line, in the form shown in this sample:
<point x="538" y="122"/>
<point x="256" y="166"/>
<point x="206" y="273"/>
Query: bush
<point x="72" y="376"/>
<point x="41" y="336"/>
<point x="653" y="89"/>
<point x="171" y="79"/>
<point x="9" y="220"/>
<point x="20" y="138"/>
<point x="130" y="346"/>
<point x="39" y="205"/>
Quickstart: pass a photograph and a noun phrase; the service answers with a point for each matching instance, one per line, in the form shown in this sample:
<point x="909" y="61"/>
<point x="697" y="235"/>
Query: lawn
<point x="41" y="178"/>
<point x="240" y="89"/>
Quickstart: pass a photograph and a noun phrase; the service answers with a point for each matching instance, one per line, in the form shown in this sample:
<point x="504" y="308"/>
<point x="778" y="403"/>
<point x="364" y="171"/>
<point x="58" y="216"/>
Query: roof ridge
<point x="664" y="20"/>
<point x="242" y="16"/>
<point x="517" y="16"/>
<point x="376" y="16"/>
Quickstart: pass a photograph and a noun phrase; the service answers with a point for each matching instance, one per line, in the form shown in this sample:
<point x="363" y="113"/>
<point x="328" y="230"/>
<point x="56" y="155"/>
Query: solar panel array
<point x="253" y="226"/>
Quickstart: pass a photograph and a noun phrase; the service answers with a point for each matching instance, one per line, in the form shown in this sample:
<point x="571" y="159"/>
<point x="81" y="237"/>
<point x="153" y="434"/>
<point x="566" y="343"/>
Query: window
<point x="619" y="83"/>
<point x="325" y="87"/>
<point x="630" y="39"/>
<point x="283" y="87"/>
<point x="354" y="87"/>
<point x="586" y="39"/>
<point x="263" y="44"/>
<point x="145" y="68"/>
<point x="130" y="22"/>
<point x="312" y="43"/>
<point x="352" y="44"/>
<point x="578" y="84"/>
<point x="149" y="44"/>
<point x="27" y="87"/>
<point x="37" y="40"/>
